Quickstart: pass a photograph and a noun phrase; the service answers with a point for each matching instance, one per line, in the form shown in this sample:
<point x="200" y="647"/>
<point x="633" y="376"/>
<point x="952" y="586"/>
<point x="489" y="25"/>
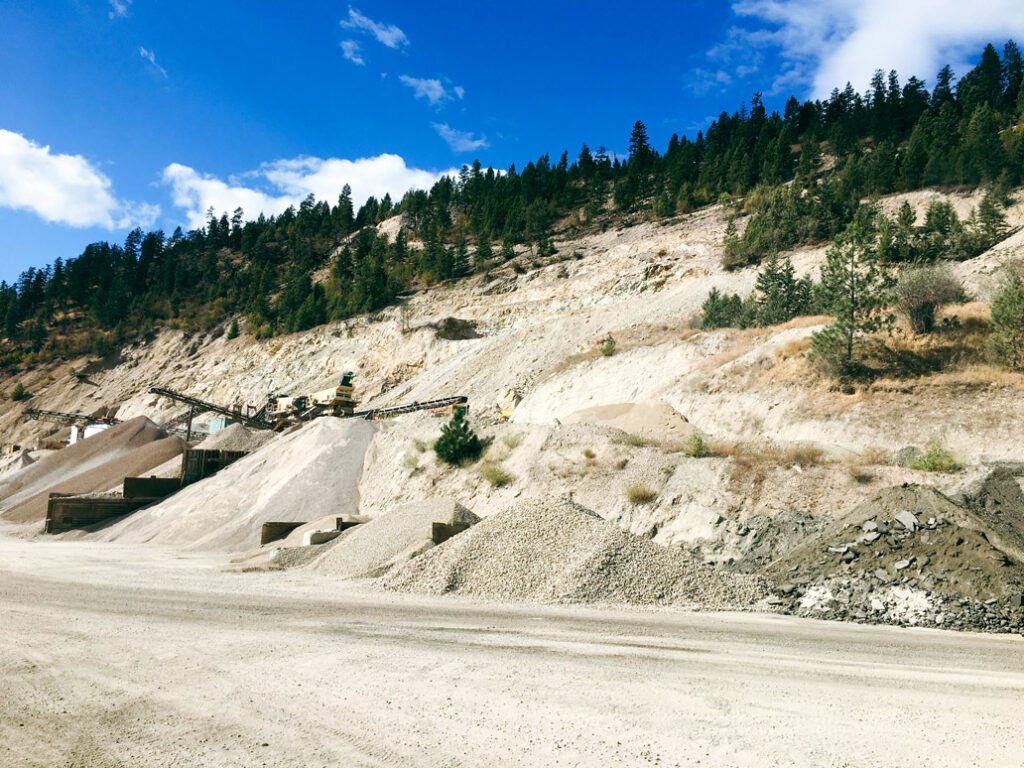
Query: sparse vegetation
<point x="458" y="443"/>
<point x="588" y="454"/>
<point x="411" y="461"/>
<point x="640" y="494"/>
<point x="421" y="445"/>
<point x="496" y="475"/>
<point x="1006" y="344"/>
<point x="634" y="440"/>
<point x="695" y="447"/>
<point x="922" y="291"/>
<point x="934" y="458"/>
<point x="513" y="440"/>
<point x="608" y="349"/>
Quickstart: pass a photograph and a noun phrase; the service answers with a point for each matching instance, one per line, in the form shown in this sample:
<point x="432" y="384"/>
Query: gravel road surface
<point x="113" y="656"/>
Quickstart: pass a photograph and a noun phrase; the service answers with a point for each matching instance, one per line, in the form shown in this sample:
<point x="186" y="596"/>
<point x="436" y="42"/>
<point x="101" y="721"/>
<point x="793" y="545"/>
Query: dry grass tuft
<point x="638" y="441"/>
<point x="496" y="474"/>
<point x="640" y="494"/>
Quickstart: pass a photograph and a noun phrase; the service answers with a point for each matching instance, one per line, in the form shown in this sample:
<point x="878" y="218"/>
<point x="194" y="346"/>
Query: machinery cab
<point x="339" y="400"/>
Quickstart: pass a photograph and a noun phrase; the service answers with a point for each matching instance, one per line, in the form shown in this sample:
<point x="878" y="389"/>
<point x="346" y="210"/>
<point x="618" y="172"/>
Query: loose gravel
<point x="373" y="548"/>
<point x="558" y="551"/>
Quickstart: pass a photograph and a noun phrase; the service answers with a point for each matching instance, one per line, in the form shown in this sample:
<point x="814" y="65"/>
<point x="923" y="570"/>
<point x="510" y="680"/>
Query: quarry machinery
<point x="197" y="406"/>
<point x="336" y="401"/>
<point x="70" y="419"/>
<point x="280" y="410"/>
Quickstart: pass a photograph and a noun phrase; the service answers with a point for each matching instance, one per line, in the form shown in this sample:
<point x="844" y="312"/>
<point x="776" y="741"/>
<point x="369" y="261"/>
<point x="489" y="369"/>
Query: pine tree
<point x="780" y="296"/>
<point x="458" y="442"/>
<point x="460" y="258"/>
<point x="991" y="220"/>
<point x="484" y="253"/>
<point x="1006" y="344"/>
<point x="855" y="287"/>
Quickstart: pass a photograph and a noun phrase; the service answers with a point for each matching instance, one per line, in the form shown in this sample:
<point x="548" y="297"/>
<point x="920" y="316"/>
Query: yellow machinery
<point x="336" y="401"/>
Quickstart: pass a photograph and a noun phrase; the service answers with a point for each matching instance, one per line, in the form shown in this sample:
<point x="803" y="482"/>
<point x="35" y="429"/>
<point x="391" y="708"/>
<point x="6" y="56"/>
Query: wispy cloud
<point x="350" y="50"/>
<point x="149" y="56"/>
<point x="460" y="141"/>
<point x="433" y="90"/>
<point x="282" y="183"/>
<point x="63" y="189"/>
<point x="824" y="44"/>
<point x="119" y="8"/>
<point x="385" y="34"/>
<point x="702" y="81"/>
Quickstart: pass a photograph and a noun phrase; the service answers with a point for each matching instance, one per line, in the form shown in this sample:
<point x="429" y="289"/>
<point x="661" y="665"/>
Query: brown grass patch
<point x="640" y="494"/>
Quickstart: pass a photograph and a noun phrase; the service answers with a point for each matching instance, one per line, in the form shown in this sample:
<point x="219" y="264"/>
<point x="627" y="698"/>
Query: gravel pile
<point x="129" y="449"/>
<point x="237" y="437"/>
<point x="558" y="551"/>
<point x="910" y="555"/>
<point x="373" y="548"/>
<point x="311" y="473"/>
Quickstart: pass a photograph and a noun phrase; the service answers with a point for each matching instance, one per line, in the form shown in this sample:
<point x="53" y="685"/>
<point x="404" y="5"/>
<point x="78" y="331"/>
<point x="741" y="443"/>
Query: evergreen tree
<point x="484" y="254"/>
<point x="780" y="295"/>
<point x="856" y="287"/>
<point x="1006" y="343"/>
<point x="458" y="443"/>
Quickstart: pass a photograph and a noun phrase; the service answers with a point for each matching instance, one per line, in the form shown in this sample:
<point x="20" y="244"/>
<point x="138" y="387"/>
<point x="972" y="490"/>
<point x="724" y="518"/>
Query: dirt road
<point x="111" y="656"/>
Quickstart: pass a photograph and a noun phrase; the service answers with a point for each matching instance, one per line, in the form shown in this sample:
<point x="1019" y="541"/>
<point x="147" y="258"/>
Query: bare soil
<point x="122" y="656"/>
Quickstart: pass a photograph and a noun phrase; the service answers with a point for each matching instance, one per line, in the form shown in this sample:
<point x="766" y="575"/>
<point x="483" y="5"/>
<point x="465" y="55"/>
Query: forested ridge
<point x="799" y="174"/>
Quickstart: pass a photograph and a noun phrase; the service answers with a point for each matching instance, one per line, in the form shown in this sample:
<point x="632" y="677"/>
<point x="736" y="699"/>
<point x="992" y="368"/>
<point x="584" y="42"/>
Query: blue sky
<point x="116" y="113"/>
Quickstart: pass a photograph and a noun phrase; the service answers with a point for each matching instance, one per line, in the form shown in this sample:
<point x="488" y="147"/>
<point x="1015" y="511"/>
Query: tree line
<point x="800" y="175"/>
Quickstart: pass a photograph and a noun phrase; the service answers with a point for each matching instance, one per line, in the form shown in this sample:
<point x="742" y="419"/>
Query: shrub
<point x="695" y="447"/>
<point x="934" y="458"/>
<point x="637" y="441"/>
<point x="588" y="454"/>
<point x="609" y="346"/>
<point x="921" y="292"/>
<point x="512" y="441"/>
<point x="233" y="330"/>
<point x="458" y="443"/>
<point x="18" y="393"/>
<point x="1006" y="344"/>
<point x="640" y="494"/>
<point x="496" y="475"/>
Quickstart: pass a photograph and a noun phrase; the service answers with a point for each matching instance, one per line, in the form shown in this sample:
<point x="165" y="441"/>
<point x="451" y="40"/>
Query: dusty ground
<point x="113" y="656"/>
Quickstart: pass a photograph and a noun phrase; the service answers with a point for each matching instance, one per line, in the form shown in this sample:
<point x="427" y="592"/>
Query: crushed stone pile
<point x="15" y="463"/>
<point x="237" y="437"/>
<point x="372" y="549"/>
<point x="761" y="539"/>
<point x="558" y="551"/>
<point x="649" y="417"/>
<point x="908" y="556"/>
<point x="310" y="473"/>
<point x="98" y="464"/>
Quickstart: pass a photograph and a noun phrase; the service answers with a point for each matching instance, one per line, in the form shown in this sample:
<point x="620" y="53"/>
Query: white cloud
<point x="826" y="43"/>
<point x="277" y="185"/>
<point x="119" y="8"/>
<point x="702" y="80"/>
<point x="386" y="34"/>
<point x="63" y="189"/>
<point x="460" y="141"/>
<point x="149" y="56"/>
<point x="350" y="50"/>
<point x="432" y="90"/>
